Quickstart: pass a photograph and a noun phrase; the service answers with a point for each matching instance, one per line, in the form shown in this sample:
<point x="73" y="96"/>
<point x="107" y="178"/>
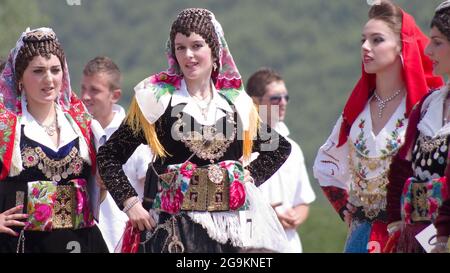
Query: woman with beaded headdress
<point x="46" y="153"/>
<point x="418" y="183"/>
<point x="202" y="127"/>
<point x="353" y="164"/>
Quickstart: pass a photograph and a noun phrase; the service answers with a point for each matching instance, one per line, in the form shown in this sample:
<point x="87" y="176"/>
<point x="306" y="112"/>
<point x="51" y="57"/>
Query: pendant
<point x="215" y="174"/>
<point x="373" y="165"/>
<point x="175" y="246"/>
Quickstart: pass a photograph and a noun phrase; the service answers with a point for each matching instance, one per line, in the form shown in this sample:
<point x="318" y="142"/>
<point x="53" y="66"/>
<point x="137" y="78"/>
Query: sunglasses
<point x="277" y="99"/>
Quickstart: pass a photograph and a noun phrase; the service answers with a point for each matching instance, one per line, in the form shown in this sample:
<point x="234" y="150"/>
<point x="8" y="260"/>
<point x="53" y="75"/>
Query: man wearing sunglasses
<point x="288" y="190"/>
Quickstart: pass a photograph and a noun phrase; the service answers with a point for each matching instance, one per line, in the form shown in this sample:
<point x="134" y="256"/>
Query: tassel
<point x="136" y="120"/>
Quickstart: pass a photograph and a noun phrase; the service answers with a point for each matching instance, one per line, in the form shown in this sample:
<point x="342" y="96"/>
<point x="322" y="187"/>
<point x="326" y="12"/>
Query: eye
<point x="436" y="43"/>
<point x="378" y="40"/>
<point x="179" y="48"/>
<point x="363" y="40"/>
<point x="37" y="70"/>
<point x="56" y="70"/>
<point x="198" y="45"/>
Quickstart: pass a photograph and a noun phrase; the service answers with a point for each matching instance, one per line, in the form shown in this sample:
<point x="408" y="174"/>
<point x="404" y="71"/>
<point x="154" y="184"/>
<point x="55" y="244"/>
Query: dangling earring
<point x="20" y="86"/>
<point x="214" y="66"/>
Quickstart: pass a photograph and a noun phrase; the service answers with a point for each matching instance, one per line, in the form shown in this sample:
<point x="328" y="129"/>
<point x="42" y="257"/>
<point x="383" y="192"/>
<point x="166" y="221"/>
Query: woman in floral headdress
<point x="201" y="124"/>
<point x="46" y="152"/>
<point x="352" y="166"/>
<point x="416" y="192"/>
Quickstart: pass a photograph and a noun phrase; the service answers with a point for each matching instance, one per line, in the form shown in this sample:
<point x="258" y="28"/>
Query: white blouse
<point x="360" y="166"/>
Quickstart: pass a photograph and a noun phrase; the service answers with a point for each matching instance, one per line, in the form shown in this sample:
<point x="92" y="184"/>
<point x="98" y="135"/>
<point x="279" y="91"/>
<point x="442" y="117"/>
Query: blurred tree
<point x="15" y="17"/>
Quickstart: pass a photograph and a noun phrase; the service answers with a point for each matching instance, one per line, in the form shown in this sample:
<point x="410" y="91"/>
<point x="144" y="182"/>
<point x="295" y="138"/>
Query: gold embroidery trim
<point x="54" y="170"/>
<point x="206" y="195"/>
<point x="368" y="193"/>
<point x="419" y="203"/>
<point x="209" y="144"/>
<point x="63" y="210"/>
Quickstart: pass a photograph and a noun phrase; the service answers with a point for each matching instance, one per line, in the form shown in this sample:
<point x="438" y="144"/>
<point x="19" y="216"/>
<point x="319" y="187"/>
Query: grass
<point x="323" y="231"/>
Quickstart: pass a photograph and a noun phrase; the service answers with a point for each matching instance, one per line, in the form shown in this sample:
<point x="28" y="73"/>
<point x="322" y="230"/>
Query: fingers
<point x="14" y="223"/>
<point x="17" y="216"/>
<point x="13" y="210"/>
<point x="9" y="231"/>
<point x="347" y="217"/>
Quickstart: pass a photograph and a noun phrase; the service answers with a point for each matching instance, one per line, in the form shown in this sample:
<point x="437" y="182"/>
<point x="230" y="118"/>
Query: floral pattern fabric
<point x="42" y="197"/>
<point x="171" y="191"/>
<point x="423" y="203"/>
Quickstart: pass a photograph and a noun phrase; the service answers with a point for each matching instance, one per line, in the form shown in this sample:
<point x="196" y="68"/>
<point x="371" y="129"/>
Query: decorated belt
<point x="207" y="191"/>
<point x="421" y="199"/>
<point x="51" y="206"/>
<point x="215" y="187"/>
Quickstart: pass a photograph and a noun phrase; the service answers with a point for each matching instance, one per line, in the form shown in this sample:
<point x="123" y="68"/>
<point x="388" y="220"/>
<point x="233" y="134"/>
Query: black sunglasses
<point x="277" y="99"/>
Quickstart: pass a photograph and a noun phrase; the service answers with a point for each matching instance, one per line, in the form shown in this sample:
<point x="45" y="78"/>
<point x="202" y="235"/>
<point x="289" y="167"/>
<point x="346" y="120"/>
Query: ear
<point x="116" y="95"/>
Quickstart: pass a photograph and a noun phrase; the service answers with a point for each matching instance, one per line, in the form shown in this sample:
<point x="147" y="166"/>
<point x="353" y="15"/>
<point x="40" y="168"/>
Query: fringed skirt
<point x="179" y="233"/>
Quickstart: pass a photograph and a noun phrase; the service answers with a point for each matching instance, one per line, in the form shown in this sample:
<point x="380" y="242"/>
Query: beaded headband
<point x="443" y="5"/>
<point x="39" y="36"/>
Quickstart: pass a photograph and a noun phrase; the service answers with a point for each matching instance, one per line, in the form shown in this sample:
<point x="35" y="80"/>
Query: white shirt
<point x="290" y="186"/>
<point x="191" y="108"/>
<point x="112" y="220"/>
<point x="331" y="165"/>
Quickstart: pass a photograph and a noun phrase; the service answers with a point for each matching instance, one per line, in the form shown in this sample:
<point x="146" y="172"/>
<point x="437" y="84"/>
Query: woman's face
<point x="194" y="56"/>
<point x="42" y="80"/>
<point x="438" y="50"/>
<point x="380" y="48"/>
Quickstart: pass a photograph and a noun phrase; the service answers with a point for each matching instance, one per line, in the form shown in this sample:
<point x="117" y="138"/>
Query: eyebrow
<point x="373" y="34"/>
<point x="43" y="66"/>
<point x="195" y="41"/>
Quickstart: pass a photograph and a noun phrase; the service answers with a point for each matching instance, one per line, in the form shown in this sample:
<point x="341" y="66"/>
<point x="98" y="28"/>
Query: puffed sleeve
<point x="112" y="155"/>
<point x="332" y="171"/>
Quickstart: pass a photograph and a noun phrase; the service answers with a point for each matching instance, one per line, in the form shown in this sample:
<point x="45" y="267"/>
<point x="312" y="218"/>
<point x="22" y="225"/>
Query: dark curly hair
<point x="199" y="21"/>
<point x="35" y="44"/>
<point x="441" y="20"/>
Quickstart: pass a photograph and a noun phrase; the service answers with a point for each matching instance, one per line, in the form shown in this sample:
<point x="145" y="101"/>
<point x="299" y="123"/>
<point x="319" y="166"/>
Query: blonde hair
<point x="136" y="120"/>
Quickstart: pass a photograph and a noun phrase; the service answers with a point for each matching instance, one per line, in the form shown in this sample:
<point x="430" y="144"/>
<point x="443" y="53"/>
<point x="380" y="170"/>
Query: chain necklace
<point x="203" y="105"/>
<point x="51" y="128"/>
<point x="382" y="102"/>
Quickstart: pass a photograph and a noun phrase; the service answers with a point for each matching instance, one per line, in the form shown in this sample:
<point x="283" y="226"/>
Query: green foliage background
<point x="313" y="43"/>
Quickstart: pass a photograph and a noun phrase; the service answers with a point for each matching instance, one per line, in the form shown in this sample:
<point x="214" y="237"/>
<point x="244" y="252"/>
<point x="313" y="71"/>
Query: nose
<point x="189" y="53"/>
<point x="85" y="96"/>
<point x="48" y="76"/>
<point x="365" y="46"/>
<point x="428" y="51"/>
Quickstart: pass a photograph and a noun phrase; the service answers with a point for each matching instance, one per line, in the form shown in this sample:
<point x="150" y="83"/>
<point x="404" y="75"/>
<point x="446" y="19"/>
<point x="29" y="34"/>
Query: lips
<point x="191" y="65"/>
<point x="367" y="59"/>
<point x="47" y="89"/>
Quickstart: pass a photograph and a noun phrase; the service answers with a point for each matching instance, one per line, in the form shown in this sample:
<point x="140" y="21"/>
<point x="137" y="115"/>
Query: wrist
<point x="129" y="203"/>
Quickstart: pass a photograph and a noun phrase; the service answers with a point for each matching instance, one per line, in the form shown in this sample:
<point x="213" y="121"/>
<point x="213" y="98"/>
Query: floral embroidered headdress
<point x="41" y="41"/>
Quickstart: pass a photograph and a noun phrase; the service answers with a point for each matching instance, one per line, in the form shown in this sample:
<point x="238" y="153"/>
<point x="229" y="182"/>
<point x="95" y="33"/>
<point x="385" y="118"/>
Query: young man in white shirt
<point x="100" y="92"/>
<point x="288" y="190"/>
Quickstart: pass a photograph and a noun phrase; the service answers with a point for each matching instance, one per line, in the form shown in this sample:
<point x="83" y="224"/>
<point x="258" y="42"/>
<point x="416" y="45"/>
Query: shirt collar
<point x="119" y="115"/>
<point x="182" y="96"/>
